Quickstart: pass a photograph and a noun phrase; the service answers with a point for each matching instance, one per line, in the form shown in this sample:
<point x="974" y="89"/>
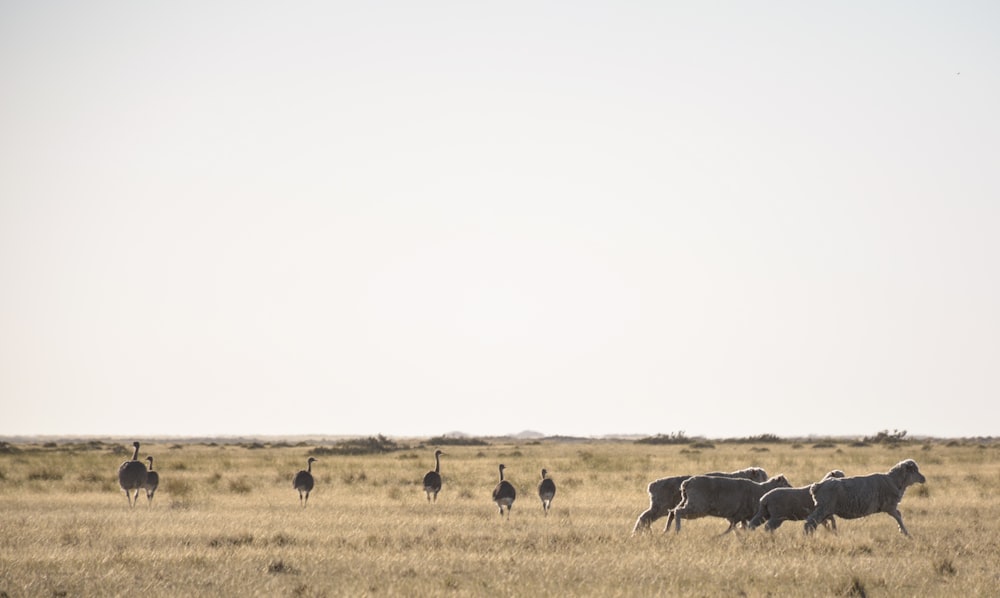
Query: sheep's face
<point x="911" y="473"/>
<point x="780" y="482"/>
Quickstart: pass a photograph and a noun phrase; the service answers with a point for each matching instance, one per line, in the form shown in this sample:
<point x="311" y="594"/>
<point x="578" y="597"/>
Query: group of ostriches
<point x="133" y="476"/>
<point x="503" y="494"/>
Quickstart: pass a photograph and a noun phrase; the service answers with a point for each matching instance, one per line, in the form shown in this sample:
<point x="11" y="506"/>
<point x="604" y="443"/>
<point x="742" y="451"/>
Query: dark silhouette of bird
<point x="304" y="482"/>
<point x="152" y="481"/>
<point x="504" y="493"/>
<point x="432" y="479"/>
<point x="546" y="490"/>
<point x="132" y="476"/>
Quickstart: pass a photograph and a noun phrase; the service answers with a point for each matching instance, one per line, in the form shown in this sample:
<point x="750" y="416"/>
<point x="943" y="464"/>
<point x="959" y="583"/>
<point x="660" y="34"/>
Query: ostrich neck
<point x="135" y="453"/>
<point x="437" y="463"/>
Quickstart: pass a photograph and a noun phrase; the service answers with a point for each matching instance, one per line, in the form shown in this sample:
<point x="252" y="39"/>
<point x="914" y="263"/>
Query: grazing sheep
<point x="789" y="504"/>
<point x="854" y="497"/>
<point x="665" y="494"/>
<point x="734" y="499"/>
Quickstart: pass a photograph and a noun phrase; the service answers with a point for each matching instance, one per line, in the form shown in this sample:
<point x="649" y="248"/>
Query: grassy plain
<point x="226" y="522"/>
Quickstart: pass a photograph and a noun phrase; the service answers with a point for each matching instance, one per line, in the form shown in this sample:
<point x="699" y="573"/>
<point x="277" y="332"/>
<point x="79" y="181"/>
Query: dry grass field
<point x="226" y="522"/>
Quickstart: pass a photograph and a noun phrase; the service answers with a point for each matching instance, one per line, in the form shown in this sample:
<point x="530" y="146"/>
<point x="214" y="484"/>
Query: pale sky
<point x="582" y="218"/>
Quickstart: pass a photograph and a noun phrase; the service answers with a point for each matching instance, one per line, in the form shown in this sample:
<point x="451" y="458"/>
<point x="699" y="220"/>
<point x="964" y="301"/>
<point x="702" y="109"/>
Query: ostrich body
<point x="152" y="481"/>
<point x="504" y="493"/>
<point x="132" y="476"/>
<point x="303" y="481"/>
<point x="546" y="490"/>
<point x="432" y="480"/>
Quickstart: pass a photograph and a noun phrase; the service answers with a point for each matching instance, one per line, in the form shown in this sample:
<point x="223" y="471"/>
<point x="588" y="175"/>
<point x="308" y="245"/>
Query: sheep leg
<point x="899" y="519"/>
<point x="677" y="514"/>
<point x="670" y="519"/>
<point x="818" y="514"/>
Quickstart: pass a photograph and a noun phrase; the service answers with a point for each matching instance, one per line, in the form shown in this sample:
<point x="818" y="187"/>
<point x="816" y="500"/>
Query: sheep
<point x="855" y="497"/>
<point x="789" y="504"/>
<point x="734" y="499"/>
<point x="665" y="494"/>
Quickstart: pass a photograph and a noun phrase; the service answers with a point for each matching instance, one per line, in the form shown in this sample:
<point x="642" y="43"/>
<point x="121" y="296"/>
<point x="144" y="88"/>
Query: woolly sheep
<point x="855" y="497"/>
<point x="789" y="504"/>
<point x="665" y="494"/>
<point x="731" y="498"/>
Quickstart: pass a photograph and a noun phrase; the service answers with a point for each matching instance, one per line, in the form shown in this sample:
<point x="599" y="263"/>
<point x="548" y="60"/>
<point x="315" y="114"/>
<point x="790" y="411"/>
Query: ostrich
<point x="546" y="490"/>
<point x="152" y="481"/>
<point x="432" y="480"/>
<point x="132" y="476"/>
<point x="303" y="481"/>
<point x="504" y="493"/>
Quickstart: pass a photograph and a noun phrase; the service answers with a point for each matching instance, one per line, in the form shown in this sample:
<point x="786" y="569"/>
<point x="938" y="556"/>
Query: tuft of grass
<point x="238" y="540"/>
<point x="240" y="485"/>
<point x="45" y="475"/>
<point x="279" y="566"/>
<point x="945" y="567"/>
<point x="177" y="486"/>
<point x="352" y="478"/>
<point x="856" y="589"/>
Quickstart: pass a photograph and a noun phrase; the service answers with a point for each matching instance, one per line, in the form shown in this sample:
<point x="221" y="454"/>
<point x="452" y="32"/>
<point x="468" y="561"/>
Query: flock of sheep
<point x="745" y="497"/>
<point x="750" y="498"/>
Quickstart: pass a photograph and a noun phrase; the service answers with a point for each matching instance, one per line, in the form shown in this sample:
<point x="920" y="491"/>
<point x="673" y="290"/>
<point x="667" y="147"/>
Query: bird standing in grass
<point x="152" y="481"/>
<point x="504" y="493"/>
<point x="432" y="480"/>
<point x="304" y="482"/>
<point x="132" y="476"/>
<point x="546" y="490"/>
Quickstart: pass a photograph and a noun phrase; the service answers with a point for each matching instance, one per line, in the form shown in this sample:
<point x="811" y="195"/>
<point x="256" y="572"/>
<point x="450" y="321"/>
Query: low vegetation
<point x="226" y="521"/>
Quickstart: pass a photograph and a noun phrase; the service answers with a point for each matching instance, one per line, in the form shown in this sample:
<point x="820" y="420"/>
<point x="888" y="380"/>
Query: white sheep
<point x="665" y="494"/>
<point x="733" y="499"/>
<point x="789" y="504"/>
<point x="854" y="497"/>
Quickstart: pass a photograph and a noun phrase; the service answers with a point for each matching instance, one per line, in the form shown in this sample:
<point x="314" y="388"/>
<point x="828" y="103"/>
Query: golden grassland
<point x="226" y="522"/>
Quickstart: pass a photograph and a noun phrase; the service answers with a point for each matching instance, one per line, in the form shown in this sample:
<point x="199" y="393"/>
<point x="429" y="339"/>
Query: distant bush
<point x="886" y="437"/>
<point x="759" y="439"/>
<point x="456" y="441"/>
<point x="8" y="448"/>
<point x="373" y="445"/>
<point x="673" y="438"/>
